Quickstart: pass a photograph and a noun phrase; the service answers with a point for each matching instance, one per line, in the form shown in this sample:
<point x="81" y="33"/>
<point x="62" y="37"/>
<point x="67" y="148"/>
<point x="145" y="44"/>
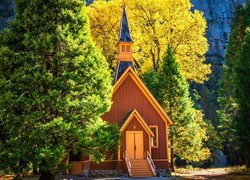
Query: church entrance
<point x="134" y="144"/>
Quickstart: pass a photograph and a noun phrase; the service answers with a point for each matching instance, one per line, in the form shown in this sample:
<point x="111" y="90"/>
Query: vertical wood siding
<point x="129" y="97"/>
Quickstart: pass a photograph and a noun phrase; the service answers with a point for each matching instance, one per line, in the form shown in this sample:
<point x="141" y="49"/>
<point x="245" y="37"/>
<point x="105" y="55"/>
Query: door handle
<point x="135" y="147"/>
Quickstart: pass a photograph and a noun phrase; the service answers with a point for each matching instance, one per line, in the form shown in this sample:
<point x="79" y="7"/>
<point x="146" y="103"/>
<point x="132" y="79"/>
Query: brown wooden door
<point x="134" y="144"/>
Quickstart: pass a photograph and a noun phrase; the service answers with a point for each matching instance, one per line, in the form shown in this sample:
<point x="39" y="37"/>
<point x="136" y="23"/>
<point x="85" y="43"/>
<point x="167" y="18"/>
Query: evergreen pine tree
<point x="242" y="95"/>
<point x="229" y="105"/>
<point x="172" y="92"/>
<point x="54" y="86"/>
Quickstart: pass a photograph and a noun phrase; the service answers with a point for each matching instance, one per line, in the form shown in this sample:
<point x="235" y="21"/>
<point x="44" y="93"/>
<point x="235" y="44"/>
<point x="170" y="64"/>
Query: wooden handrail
<point x="128" y="163"/>
<point x="151" y="163"/>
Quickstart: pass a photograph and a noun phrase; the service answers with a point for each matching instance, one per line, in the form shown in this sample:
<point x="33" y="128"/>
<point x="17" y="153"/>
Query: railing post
<point x="126" y="157"/>
<point x="151" y="163"/>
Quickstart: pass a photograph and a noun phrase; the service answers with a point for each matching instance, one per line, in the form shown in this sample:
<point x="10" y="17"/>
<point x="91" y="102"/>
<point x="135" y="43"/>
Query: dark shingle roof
<point x="124" y="34"/>
<point x="125" y="118"/>
<point x="121" y="68"/>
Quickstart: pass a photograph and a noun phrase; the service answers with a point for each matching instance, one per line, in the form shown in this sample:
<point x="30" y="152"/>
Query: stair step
<point x="148" y="170"/>
<point x="140" y="163"/>
<point x="141" y="168"/>
<point x="138" y="160"/>
<point x="142" y="172"/>
<point x="143" y="175"/>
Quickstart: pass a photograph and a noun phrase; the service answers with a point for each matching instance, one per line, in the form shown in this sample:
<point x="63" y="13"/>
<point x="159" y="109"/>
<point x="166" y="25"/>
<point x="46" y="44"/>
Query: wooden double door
<point x="134" y="144"/>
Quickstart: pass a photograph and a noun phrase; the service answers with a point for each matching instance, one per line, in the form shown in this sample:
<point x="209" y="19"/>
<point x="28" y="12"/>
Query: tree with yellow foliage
<point x="155" y="25"/>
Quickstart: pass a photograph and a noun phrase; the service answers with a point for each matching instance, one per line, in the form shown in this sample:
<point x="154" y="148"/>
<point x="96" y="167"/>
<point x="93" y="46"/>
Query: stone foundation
<point x="106" y="173"/>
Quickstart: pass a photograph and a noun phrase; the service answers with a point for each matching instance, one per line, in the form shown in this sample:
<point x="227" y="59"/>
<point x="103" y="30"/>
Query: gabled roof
<point x="135" y="114"/>
<point x="130" y="72"/>
<point x="124" y="34"/>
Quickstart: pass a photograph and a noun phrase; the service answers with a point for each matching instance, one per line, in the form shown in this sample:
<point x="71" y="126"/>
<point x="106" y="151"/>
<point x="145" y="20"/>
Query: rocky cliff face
<point x="6" y="12"/>
<point x="218" y="14"/>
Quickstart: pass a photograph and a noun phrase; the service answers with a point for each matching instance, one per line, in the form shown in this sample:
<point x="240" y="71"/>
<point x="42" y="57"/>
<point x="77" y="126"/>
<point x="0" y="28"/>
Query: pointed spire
<point x="124" y="46"/>
<point x="124" y="34"/>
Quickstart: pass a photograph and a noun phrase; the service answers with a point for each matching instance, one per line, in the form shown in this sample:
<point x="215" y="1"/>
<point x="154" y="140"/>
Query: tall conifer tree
<point x="233" y="126"/>
<point x="54" y="86"/>
<point x="172" y="92"/>
<point x="242" y="95"/>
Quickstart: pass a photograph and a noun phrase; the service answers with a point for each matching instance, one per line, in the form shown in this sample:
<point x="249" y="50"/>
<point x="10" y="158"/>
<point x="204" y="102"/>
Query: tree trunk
<point x="67" y="163"/>
<point x="47" y="176"/>
<point x="172" y="151"/>
<point x="171" y="132"/>
<point x="248" y="156"/>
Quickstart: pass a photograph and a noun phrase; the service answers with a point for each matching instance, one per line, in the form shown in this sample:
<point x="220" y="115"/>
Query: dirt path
<point x="215" y="173"/>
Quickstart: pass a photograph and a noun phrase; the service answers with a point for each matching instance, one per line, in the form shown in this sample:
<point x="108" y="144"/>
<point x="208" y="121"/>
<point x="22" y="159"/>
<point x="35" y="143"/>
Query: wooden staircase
<point x="141" y="168"/>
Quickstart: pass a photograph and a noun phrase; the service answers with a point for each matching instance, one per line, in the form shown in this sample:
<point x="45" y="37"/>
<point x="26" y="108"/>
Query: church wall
<point x="129" y="97"/>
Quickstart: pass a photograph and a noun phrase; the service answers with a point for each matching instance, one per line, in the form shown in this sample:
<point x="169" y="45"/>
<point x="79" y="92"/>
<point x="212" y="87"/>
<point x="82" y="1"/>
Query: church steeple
<point x="124" y="45"/>
<point x="125" y="42"/>
<point x="124" y="34"/>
